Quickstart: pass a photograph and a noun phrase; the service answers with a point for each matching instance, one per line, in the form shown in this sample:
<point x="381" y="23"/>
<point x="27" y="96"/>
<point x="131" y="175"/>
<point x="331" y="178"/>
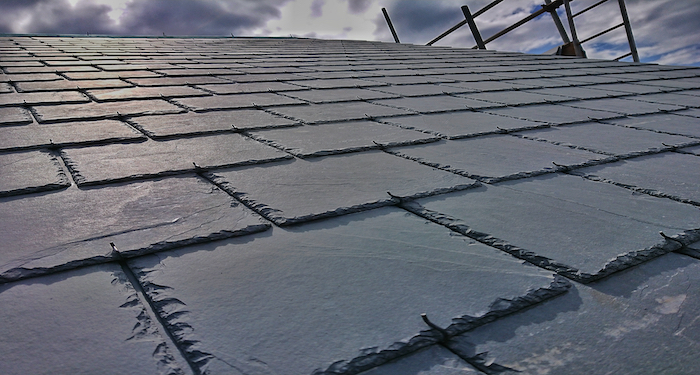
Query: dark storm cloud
<point x="419" y="21"/>
<point x="358" y="6"/>
<point x="55" y="16"/>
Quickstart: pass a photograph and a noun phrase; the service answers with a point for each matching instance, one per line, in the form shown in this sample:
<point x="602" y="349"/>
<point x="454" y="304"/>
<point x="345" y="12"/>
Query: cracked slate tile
<point x="339" y="95"/>
<point x="433" y="360"/>
<point x="494" y="158"/>
<point x="133" y="93"/>
<point x="640" y="321"/>
<point x="66" y="134"/>
<point x="579" y="228"/>
<point x="670" y="123"/>
<point x="609" y="139"/>
<point x="341" y="111"/>
<point x="344" y="137"/>
<point x="14" y="116"/>
<point x="669" y="174"/>
<point x="462" y="124"/>
<point x="38" y="98"/>
<point x="29" y="172"/>
<point x="302" y="190"/>
<point x="624" y="106"/>
<point x="117" y="162"/>
<point x="440" y="103"/>
<point x="236" y="101"/>
<point x="99" y="111"/>
<point x="65" y="85"/>
<point x="295" y="293"/>
<point x="50" y="325"/>
<point x="192" y="123"/>
<point x="139" y="218"/>
<point x="554" y="114"/>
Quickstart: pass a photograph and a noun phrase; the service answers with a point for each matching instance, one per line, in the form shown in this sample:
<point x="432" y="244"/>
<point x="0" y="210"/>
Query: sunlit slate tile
<point x="555" y="114"/>
<point x="263" y="77"/>
<point x="110" y="75"/>
<point x="116" y="162"/>
<point x="65" y="134"/>
<point x="303" y="190"/>
<point x="342" y="111"/>
<point x="177" y="81"/>
<point x="671" y="123"/>
<point x="50" y="324"/>
<point x="668" y="174"/>
<point x="580" y="228"/>
<point x="63" y="85"/>
<point x="462" y="124"/>
<point x="610" y="139"/>
<point x="330" y="289"/>
<point x="241" y="88"/>
<point x="5" y="88"/>
<point x="335" y="83"/>
<point x="441" y="103"/>
<point x="139" y="218"/>
<point x="339" y="95"/>
<point x="207" y="122"/>
<point x="434" y="359"/>
<point x="236" y="101"/>
<point x="38" y="98"/>
<point x="14" y="116"/>
<point x="497" y="157"/>
<point x="31" y="77"/>
<point x="409" y="80"/>
<point x="633" y="322"/>
<point x="29" y="172"/>
<point x="98" y="111"/>
<point x="134" y="93"/>
<point x="327" y="139"/>
<point x="624" y="106"/>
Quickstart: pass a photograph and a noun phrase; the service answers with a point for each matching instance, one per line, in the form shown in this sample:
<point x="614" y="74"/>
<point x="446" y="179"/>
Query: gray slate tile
<point x="577" y="92"/>
<point x="303" y="190"/>
<point x="409" y="80"/>
<point x="624" y="106"/>
<point x="63" y="85"/>
<point x="177" y="81"/>
<point x="462" y="124"/>
<point x="555" y="114"/>
<point x="99" y="111"/>
<point x="441" y="103"/>
<point x="433" y="360"/>
<point x="139" y="218"/>
<point x="110" y="75"/>
<point x="14" y="116"/>
<point x="609" y="139"/>
<point x="629" y="88"/>
<point x="50" y="325"/>
<point x="250" y="87"/>
<point x="133" y="93"/>
<point x="338" y="95"/>
<point x="236" y="101"/>
<point x="422" y="90"/>
<point x="36" y="98"/>
<point x="641" y="321"/>
<point x="116" y="162"/>
<point x="668" y="174"/>
<point x="342" y="111"/>
<point x="306" y="283"/>
<point x="514" y="98"/>
<point x="671" y="98"/>
<point x="496" y="157"/>
<point x="191" y="123"/>
<point x="29" y="172"/>
<point x="580" y="228"/>
<point x="666" y="123"/>
<point x="335" y="83"/>
<point x="327" y="139"/>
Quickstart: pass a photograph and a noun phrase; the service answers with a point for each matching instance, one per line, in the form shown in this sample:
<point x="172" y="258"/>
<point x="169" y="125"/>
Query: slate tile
<point x="38" y="98"/>
<point x="673" y="83"/>
<point x="236" y="101"/>
<point x="635" y="322"/>
<point x="454" y="125"/>
<point x="338" y="95"/>
<point x="433" y="360"/>
<point x="307" y="285"/>
<point x="14" y="116"/>
<point x="422" y="90"/>
<point x="580" y="228"/>
<point x="485" y="86"/>
<point x="409" y="80"/>
<point x="578" y="92"/>
<point x="117" y="162"/>
<point x="251" y="87"/>
<point x="192" y="123"/>
<point x="65" y="134"/>
<point x="333" y="185"/>
<point x="50" y="324"/>
<point x="6" y="88"/>
<point x="336" y="83"/>
<point x="328" y="139"/>
<point x="629" y="88"/>
<point x="110" y="75"/>
<point x="263" y="77"/>
<point x="195" y="72"/>
<point x="624" y="106"/>
<point x="31" y="77"/>
<point x="342" y="111"/>
<point x="692" y="112"/>
<point x="29" y="172"/>
<point x="554" y="114"/>
<point x="70" y="85"/>
<point x="671" y="99"/>
<point x="139" y="218"/>
<point x="591" y="80"/>
<point x="177" y="81"/>
<point x="609" y="139"/>
<point x="668" y="174"/>
<point x="133" y="93"/>
<point x="441" y="103"/>
<point x="665" y="123"/>
<point x="515" y="98"/>
<point x="692" y="150"/>
<point x="496" y="157"/>
<point x="98" y="111"/>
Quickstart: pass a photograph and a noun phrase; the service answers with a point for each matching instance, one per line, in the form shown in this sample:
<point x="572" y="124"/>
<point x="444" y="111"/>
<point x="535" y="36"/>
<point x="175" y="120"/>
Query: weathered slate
<point x="29" y="172"/>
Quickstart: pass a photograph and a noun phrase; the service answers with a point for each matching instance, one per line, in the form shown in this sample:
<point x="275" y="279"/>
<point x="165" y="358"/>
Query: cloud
<point x="55" y="16"/>
<point x="317" y="8"/>
<point x="358" y="6"/>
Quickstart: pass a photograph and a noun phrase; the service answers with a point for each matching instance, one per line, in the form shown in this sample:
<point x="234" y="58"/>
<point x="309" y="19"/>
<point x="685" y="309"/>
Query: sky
<point x="666" y="31"/>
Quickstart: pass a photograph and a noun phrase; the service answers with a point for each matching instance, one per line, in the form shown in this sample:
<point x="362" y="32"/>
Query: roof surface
<point x="292" y="206"/>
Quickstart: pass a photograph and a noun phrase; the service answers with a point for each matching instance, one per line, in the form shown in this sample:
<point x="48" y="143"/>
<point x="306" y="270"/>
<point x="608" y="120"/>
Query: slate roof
<point x="292" y="206"/>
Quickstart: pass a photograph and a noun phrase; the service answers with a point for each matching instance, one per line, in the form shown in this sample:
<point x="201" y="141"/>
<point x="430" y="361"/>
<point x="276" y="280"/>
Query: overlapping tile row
<point x="331" y="191"/>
